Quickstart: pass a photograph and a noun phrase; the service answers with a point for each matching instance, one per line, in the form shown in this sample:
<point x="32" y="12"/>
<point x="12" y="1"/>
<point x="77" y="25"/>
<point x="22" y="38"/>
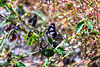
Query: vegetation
<point x="49" y="33"/>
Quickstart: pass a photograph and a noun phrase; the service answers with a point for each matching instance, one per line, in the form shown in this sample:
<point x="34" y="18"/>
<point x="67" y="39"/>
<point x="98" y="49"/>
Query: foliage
<point x="76" y="25"/>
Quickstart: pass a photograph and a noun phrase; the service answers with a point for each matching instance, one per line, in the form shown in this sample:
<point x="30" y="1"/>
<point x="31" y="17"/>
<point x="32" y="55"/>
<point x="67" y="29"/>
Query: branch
<point x="14" y="23"/>
<point x="32" y="53"/>
<point x="62" y="58"/>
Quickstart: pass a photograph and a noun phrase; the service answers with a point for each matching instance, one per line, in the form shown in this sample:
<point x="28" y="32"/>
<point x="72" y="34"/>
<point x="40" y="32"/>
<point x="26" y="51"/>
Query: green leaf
<point x="93" y="32"/>
<point x="41" y="33"/>
<point x="90" y="25"/>
<point x="20" y="56"/>
<point x="61" y="51"/>
<point x="31" y="39"/>
<point x="50" y="40"/>
<point x="79" y="26"/>
<point x="48" y="52"/>
<point x="4" y="50"/>
<point x="9" y="60"/>
<point x="99" y="24"/>
<point x="14" y="56"/>
<point x="2" y="3"/>
<point x="20" y="64"/>
<point x="25" y="37"/>
<point x="46" y="62"/>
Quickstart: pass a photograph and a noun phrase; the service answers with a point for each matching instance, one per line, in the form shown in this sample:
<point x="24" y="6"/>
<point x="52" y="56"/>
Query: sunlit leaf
<point x="90" y="25"/>
<point x="20" y="64"/>
<point x="46" y="62"/>
<point x="79" y="27"/>
<point x="14" y="56"/>
<point x="2" y="3"/>
<point x="61" y="51"/>
<point x="41" y="33"/>
<point x="31" y="39"/>
<point x="20" y="56"/>
<point x="25" y="37"/>
<point x="94" y="32"/>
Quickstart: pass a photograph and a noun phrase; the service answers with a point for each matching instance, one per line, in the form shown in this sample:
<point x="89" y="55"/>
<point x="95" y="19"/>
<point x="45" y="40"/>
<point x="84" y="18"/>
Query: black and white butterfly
<point x="51" y="32"/>
<point x="32" y="21"/>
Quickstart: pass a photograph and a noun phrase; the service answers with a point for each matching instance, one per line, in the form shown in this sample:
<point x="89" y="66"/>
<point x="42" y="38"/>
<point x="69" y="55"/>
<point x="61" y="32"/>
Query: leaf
<point x="46" y="62"/>
<point x="69" y="6"/>
<point x="2" y="3"/>
<point x="31" y="39"/>
<point x="41" y="33"/>
<point x="6" y="38"/>
<point x="20" y="64"/>
<point x="93" y="32"/>
<point x="90" y="25"/>
<point x="61" y="51"/>
<point x="14" y="56"/>
<point x="50" y="40"/>
<point x="4" y="50"/>
<point x="25" y="37"/>
<point x="9" y="60"/>
<point x="79" y="27"/>
<point x="48" y="52"/>
<point x="20" y="56"/>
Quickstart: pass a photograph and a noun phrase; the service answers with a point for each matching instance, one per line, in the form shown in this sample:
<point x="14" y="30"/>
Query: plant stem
<point x="32" y="53"/>
<point x="14" y="24"/>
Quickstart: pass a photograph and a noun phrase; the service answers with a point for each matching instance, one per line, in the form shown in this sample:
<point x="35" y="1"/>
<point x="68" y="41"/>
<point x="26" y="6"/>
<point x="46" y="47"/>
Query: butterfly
<point x="32" y="21"/>
<point x="51" y="32"/>
<point x="42" y="46"/>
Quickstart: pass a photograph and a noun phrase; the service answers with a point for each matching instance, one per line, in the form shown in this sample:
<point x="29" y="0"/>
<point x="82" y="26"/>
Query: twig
<point x="62" y="58"/>
<point x="32" y="53"/>
<point x="68" y="38"/>
<point x="14" y="24"/>
<point x="25" y="55"/>
<point x="82" y="61"/>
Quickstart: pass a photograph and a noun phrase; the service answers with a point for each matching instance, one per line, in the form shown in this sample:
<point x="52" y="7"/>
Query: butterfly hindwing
<point x="51" y="31"/>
